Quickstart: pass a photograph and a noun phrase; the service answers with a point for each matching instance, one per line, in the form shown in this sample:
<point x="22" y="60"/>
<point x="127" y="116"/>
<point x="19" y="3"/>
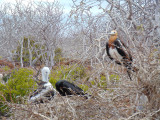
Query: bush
<point x="58" y="55"/>
<point x="36" y="50"/>
<point x="6" y="77"/>
<point x="6" y="68"/>
<point x="84" y="87"/>
<point x="114" y="78"/>
<point x="4" y="109"/>
<point x="19" y="85"/>
<point x="101" y="81"/>
<point x="70" y="73"/>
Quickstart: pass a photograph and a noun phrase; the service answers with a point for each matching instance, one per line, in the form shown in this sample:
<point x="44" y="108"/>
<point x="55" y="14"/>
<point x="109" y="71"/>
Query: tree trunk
<point x="30" y="53"/>
<point x="21" y="55"/>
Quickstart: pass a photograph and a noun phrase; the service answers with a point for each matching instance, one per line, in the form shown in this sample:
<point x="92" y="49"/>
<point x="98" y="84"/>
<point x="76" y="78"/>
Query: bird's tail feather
<point x="129" y="74"/>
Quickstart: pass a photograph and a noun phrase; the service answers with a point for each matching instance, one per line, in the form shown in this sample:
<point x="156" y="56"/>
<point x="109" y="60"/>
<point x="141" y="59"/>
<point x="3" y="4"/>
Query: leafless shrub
<point x="137" y="23"/>
<point x="39" y="21"/>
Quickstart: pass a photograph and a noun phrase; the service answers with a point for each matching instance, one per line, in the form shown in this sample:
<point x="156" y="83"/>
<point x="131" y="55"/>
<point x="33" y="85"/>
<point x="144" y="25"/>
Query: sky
<point x="65" y="3"/>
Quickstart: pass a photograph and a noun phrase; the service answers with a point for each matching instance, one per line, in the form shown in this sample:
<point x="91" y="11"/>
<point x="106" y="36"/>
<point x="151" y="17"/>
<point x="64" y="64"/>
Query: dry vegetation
<point x="119" y="104"/>
<point x="120" y="99"/>
<point x="82" y="41"/>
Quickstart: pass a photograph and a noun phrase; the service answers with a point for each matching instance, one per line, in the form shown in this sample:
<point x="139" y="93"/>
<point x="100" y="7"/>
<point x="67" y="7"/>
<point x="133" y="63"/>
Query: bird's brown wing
<point x="123" y="50"/>
<point x="39" y="89"/>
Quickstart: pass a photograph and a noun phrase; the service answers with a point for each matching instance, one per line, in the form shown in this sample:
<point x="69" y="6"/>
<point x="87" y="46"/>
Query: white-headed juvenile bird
<point x="117" y="51"/>
<point x="45" y="90"/>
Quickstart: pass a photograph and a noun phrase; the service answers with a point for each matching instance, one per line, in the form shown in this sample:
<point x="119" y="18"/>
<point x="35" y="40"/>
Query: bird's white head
<point x="45" y="74"/>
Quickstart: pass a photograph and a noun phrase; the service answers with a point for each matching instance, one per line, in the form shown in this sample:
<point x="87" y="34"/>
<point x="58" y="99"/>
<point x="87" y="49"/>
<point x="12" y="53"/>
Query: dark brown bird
<point x="66" y="88"/>
<point x="117" y="51"/>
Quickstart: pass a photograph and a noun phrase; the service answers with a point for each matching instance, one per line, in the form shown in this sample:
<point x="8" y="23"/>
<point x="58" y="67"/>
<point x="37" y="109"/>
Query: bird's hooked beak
<point x="111" y="33"/>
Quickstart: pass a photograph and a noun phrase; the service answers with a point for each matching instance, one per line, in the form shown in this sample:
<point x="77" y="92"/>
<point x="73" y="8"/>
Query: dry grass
<point x="114" y="103"/>
<point x="122" y="100"/>
<point x="69" y="108"/>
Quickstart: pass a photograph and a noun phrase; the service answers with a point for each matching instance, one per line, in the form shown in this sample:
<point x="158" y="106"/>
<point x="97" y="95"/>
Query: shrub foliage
<point x="20" y="84"/>
<point x="70" y="73"/>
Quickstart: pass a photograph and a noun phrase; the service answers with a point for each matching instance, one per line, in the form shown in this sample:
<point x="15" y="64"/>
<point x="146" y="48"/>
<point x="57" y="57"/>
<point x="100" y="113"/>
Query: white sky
<point x="65" y="3"/>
